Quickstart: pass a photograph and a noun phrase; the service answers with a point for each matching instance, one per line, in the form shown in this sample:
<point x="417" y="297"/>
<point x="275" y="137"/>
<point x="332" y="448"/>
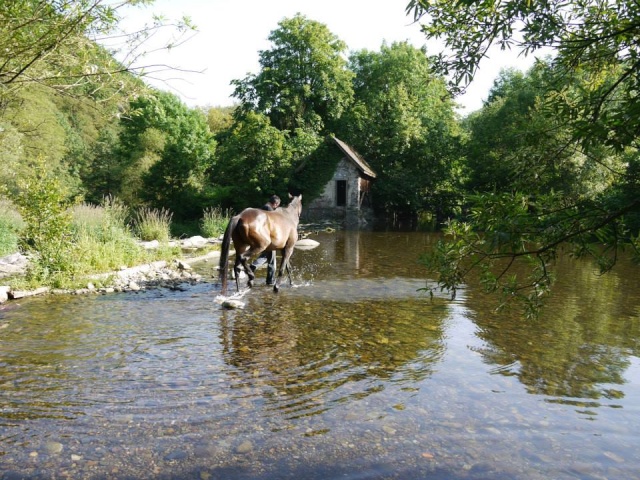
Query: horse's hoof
<point x="275" y="288"/>
<point x="250" y="283"/>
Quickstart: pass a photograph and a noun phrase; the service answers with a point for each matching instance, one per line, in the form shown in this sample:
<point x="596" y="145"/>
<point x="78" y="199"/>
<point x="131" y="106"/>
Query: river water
<point x="352" y="373"/>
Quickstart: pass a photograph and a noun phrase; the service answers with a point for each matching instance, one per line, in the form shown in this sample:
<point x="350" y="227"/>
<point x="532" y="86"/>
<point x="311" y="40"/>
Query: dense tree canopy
<point x="168" y="149"/>
<point x="413" y="149"/>
<point x="518" y="145"/>
<point x="303" y="80"/>
<point x="255" y="162"/>
<point x="61" y="89"/>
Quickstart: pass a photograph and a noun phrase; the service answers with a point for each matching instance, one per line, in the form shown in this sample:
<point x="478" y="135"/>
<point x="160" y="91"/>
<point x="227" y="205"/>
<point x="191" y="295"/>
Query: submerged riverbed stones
<point x="244" y="448"/>
<point x="53" y="448"/>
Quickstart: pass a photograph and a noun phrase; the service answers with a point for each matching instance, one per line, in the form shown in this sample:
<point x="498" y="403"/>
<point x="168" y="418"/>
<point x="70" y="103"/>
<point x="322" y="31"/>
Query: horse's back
<point x="251" y="221"/>
<point x="271" y="229"/>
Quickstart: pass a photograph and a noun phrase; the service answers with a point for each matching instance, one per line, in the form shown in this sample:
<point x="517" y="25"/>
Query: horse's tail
<point x="224" y="253"/>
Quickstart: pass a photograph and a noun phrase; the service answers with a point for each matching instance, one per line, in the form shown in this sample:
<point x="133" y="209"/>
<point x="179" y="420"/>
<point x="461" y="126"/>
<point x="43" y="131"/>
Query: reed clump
<point x="214" y="221"/>
<point x="153" y="224"/>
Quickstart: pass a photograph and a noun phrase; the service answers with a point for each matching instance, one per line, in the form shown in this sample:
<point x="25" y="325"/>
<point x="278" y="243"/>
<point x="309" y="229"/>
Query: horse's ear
<point x="290" y="196"/>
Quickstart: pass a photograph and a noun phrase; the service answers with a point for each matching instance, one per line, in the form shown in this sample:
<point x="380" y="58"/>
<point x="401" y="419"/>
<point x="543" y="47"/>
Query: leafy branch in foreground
<point x="512" y="240"/>
<point x="63" y="45"/>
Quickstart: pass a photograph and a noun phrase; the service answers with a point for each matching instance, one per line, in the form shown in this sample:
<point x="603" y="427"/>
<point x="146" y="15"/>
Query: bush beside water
<point x="153" y="224"/>
<point x="67" y="243"/>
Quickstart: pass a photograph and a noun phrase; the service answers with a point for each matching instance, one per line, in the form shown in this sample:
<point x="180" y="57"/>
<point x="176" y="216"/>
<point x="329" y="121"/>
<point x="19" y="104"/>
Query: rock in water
<point x="232" y="304"/>
<point x="306" y="244"/>
<point x="244" y="447"/>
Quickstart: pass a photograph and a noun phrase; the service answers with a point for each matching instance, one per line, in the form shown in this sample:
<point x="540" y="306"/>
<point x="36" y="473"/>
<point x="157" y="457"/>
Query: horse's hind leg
<point x="289" y="273"/>
<point x="242" y="261"/>
<point x="236" y="272"/>
<point x="248" y="255"/>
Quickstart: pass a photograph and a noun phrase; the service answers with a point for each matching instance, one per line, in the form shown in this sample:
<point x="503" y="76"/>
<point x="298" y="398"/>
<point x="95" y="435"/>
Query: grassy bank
<point x="83" y="240"/>
<point x="11" y="224"/>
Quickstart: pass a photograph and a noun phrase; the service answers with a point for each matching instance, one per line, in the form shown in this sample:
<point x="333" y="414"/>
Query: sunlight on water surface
<point x="353" y="373"/>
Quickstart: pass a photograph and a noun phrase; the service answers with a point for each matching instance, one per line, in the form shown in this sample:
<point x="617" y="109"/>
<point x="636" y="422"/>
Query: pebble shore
<point x="161" y="274"/>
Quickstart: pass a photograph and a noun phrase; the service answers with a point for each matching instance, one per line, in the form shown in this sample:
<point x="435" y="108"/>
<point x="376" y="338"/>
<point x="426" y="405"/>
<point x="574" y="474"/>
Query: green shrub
<point x="68" y="243"/>
<point x="152" y="224"/>
<point x="214" y="222"/>
<point x="11" y="224"/>
<point x="43" y="204"/>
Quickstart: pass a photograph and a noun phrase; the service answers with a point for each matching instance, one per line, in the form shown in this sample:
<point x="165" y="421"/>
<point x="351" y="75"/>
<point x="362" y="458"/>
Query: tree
<point x="413" y="149"/>
<point x="253" y="162"/>
<point x="516" y="145"/>
<point x="103" y="177"/>
<point x="56" y="43"/>
<point x="219" y="119"/>
<point x="169" y="149"/>
<point x="592" y="94"/>
<point x="303" y="82"/>
<point x="60" y="86"/>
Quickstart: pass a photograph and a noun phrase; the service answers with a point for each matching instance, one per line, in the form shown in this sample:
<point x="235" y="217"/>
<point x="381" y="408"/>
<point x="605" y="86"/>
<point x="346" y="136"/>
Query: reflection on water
<point x="353" y="373"/>
<point x="311" y="359"/>
<point x="580" y="349"/>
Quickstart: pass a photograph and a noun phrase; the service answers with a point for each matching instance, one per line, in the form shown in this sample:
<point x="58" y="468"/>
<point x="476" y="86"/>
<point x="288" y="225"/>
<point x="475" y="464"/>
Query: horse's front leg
<point x="284" y="264"/>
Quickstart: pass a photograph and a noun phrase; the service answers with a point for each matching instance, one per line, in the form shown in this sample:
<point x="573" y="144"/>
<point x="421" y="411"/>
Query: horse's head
<point x="295" y="204"/>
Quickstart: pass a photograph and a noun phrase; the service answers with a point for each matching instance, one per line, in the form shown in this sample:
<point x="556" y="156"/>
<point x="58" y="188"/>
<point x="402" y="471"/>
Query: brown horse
<point x="253" y="231"/>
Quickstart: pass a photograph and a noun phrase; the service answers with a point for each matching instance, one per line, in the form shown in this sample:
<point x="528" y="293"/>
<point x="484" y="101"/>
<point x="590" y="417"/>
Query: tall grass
<point x="11" y="224"/>
<point x="153" y="224"/>
<point x="66" y="243"/>
<point x="88" y="219"/>
<point x="105" y="242"/>
<point x="214" y="221"/>
<point x="103" y="239"/>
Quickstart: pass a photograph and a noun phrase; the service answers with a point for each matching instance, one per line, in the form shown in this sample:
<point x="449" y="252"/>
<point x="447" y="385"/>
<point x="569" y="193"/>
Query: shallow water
<point x="352" y="373"/>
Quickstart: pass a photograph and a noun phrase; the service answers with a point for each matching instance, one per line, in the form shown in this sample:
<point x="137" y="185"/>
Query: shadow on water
<point x="351" y="373"/>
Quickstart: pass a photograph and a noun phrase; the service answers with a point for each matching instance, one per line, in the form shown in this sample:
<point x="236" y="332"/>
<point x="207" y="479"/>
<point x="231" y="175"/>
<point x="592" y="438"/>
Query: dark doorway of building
<point x="341" y="193"/>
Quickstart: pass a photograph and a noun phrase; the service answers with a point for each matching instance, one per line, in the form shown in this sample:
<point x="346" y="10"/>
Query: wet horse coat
<point x="254" y="231"/>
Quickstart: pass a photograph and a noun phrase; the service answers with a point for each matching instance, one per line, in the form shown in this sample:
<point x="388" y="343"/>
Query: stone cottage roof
<point x="352" y="155"/>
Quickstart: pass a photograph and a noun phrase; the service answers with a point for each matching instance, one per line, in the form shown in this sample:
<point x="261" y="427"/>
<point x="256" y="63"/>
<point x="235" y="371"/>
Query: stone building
<point x="347" y="196"/>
